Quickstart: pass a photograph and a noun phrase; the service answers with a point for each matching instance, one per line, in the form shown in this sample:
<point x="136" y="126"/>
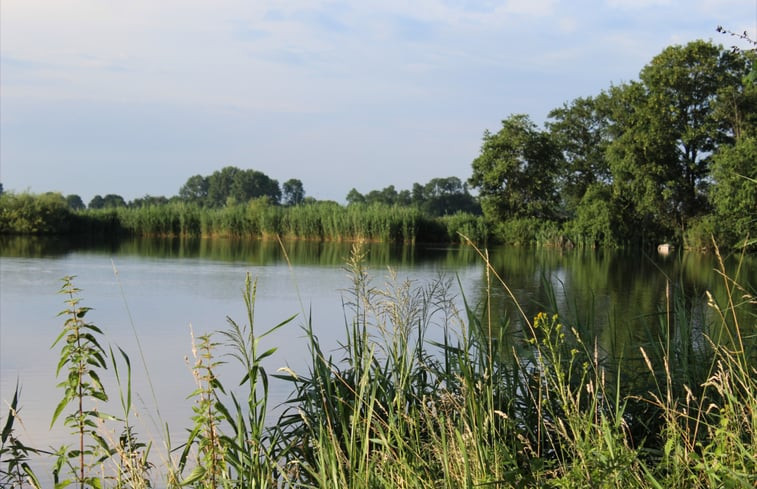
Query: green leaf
<point x="284" y="322"/>
<point x="31" y="475"/>
<point x="62" y="484"/>
<point x="196" y="474"/>
<point x="61" y="405"/>
<point x="8" y="428"/>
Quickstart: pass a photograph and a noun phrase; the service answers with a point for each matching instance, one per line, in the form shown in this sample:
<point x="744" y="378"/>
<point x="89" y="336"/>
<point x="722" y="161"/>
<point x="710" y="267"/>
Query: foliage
<point x="580" y="131"/>
<point x="438" y="197"/>
<point x="444" y="196"/>
<point x="34" y="214"/>
<point x="233" y="444"/>
<point x="528" y="231"/>
<point x="210" y="466"/>
<point x="75" y="203"/>
<point x="195" y="190"/>
<point x="83" y="357"/>
<point x="734" y="195"/>
<point x="516" y="172"/>
<point x="15" y="456"/>
<point x="293" y="192"/>
<point x="665" y="158"/>
<point x="595" y="222"/>
<point x="110" y="201"/>
<point x="664" y="134"/>
<point x="229" y="186"/>
<point x="355" y="197"/>
<point x="251" y="446"/>
<point x="149" y="201"/>
<point x="461" y="224"/>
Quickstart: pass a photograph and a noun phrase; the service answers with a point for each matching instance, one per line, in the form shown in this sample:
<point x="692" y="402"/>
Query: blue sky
<point x="133" y="97"/>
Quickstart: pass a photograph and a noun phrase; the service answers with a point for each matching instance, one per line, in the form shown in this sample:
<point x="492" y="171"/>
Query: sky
<point x="134" y="97"/>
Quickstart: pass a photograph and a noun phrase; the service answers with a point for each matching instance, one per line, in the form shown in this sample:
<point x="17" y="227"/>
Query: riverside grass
<point x="488" y="401"/>
<point x="322" y="221"/>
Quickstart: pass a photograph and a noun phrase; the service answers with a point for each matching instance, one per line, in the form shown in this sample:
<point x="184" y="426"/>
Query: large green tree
<point x="195" y="190"/>
<point x="516" y="172"/>
<point x="74" y="202"/>
<point x="293" y="192"/>
<point x="664" y="133"/>
<point x="580" y="129"/>
<point x="252" y="184"/>
<point x="355" y="197"/>
<point x="110" y="201"/>
<point x="444" y="196"/>
<point x="231" y="185"/>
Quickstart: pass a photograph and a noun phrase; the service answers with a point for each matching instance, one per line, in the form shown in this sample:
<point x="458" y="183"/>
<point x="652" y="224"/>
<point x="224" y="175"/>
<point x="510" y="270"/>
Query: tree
<point x="74" y="202"/>
<point x="219" y="185"/>
<point x="404" y="198"/>
<point x="233" y="185"/>
<point x="664" y="132"/>
<point x="580" y="131"/>
<point x="682" y="84"/>
<point x="515" y="172"/>
<point x="111" y="201"/>
<point x="418" y="194"/>
<point x="149" y="201"/>
<point x="734" y="193"/>
<point x="443" y="196"/>
<point x="96" y="202"/>
<point x="387" y="195"/>
<point x="293" y="192"/>
<point x="195" y="190"/>
<point x="252" y="184"/>
<point x="355" y="197"/>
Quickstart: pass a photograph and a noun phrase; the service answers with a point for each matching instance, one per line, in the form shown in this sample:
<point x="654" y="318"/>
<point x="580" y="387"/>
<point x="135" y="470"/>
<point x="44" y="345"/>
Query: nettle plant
<point x="81" y="356"/>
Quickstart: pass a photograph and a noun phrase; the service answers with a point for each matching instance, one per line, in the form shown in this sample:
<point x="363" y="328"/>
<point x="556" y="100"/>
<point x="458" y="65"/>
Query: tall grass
<point x="322" y="221"/>
<point x="424" y="393"/>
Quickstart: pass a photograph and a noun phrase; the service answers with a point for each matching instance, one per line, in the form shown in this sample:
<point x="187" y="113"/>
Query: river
<point x="148" y="296"/>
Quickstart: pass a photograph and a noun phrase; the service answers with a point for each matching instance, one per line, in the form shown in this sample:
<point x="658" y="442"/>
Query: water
<point x="145" y="294"/>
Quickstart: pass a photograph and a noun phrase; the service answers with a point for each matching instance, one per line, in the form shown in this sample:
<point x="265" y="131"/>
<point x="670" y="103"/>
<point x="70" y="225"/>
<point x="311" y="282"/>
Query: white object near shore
<point x="665" y="248"/>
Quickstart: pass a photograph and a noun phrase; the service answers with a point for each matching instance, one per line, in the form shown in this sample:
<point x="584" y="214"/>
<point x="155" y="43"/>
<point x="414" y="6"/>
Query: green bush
<point x="28" y="213"/>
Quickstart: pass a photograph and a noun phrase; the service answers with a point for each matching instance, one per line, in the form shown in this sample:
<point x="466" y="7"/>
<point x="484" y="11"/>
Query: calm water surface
<point x="148" y="292"/>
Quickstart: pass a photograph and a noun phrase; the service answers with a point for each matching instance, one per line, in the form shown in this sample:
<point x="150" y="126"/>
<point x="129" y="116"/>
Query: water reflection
<point x="258" y="252"/>
<point x="623" y="299"/>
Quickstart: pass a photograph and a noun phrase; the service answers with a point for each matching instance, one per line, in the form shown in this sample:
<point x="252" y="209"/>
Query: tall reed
<point x="15" y="456"/>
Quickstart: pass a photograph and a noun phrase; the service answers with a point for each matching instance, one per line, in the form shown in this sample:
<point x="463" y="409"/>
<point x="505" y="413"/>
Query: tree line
<point x="671" y="156"/>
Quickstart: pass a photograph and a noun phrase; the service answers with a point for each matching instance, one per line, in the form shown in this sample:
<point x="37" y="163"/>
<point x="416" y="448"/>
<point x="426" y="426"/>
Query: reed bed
<point x="323" y="221"/>
<point x="425" y="395"/>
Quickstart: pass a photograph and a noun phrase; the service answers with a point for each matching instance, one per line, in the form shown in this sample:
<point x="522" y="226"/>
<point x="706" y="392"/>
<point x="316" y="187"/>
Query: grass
<point x="48" y="214"/>
<point x="423" y="395"/>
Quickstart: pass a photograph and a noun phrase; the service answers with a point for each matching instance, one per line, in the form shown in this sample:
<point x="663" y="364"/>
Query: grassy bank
<point x="425" y="395"/>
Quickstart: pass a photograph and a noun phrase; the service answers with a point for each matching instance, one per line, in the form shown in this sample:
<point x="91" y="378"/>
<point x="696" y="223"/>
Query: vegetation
<point x="644" y="162"/>
<point x="424" y="395"/>
<point x="34" y="214"/>
<point x="83" y="357"/>
<point x="325" y="221"/>
<point x="666" y="158"/>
